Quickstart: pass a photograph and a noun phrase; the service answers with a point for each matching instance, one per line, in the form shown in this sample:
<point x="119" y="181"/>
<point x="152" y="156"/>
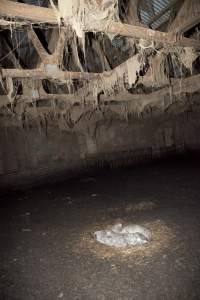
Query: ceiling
<point x="154" y="8"/>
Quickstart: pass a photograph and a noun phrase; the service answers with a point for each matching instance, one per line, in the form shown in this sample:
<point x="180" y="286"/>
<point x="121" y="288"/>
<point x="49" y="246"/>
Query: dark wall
<point x="33" y="149"/>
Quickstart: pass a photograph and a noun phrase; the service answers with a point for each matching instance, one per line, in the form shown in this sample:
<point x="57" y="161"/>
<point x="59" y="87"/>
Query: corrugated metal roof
<point x="145" y="15"/>
<point x="36" y="2"/>
<point x="158" y="6"/>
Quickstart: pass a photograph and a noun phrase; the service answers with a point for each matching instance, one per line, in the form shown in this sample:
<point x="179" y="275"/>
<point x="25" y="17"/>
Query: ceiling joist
<point x="46" y="58"/>
<point x="35" y="14"/>
<point x="48" y="72"/>
<point x="26" y="12"/>
<point x="188" y="85"/>
<point x="139" y="32"/>
<point x="187" y="17"/>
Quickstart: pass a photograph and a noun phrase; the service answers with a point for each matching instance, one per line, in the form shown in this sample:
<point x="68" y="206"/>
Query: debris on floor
<point x="61" y="295"/>
<point x="122" y="236"/>
<point x="26" y="230"/>
<point x="141" y="206"/>
<point x="27" y="214"/>
<point x="95" y="195"/>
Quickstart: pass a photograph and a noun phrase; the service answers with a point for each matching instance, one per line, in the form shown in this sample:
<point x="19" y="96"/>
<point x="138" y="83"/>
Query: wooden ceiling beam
<point x="27" y="12"/>
<point x="6" y="23"/>
<point x="139" y="32"/>
<point x="187" y="17"/>
<point x="52" y="71"/>
<point x="37" y="14"/>
<point x="188" y="85"/>
<point x="43" y="54"/>
<point x="48" y="72"/>
<point x="65" y="33"/>
<point x="46" y="58"/>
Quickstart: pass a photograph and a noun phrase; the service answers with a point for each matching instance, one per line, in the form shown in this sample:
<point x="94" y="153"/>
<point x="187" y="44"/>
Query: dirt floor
<point x="48" y="251"/>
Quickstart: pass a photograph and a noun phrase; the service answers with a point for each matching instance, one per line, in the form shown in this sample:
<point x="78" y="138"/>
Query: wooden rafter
<point x="26" y="12"/>
<point x="46" y="15"/>
<point x="50" y="64"/>
<point x="43" y="54"/>
<point x="139" y="32"/>
<point x="188" y="85"/>
<point x="132" y="13"/>
<point x="48" y="73"/>
<point x="187" y="17"/>
<point x="65" y="33"/>
<point x="46" y="58"/>
<point x="52" y="71"/>
<point x="6" y="23"/>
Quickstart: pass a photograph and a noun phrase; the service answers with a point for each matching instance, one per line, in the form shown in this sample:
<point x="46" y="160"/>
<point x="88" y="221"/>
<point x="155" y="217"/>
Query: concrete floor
<point x="47" y="249"/>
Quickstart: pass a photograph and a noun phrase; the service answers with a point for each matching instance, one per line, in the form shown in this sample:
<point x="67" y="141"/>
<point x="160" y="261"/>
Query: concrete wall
<point x="30" y="152"/>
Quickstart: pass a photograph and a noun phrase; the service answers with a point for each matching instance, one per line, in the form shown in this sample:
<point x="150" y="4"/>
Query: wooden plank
<point x="43" y="54"/>
<point x="51" y="72"/>
<point x="65" y="33"/>
<point x="57" y="56"/>
<point x="188" y="24"/>
<point x="47" y="15"/>
<point x="8" y="24"/>
<point x="179" y="86"/>
<point x="187" y="17"/>
<point x="139" y="32"/>
<point x="27" y="12"/>
<point x="4" y="100"/>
